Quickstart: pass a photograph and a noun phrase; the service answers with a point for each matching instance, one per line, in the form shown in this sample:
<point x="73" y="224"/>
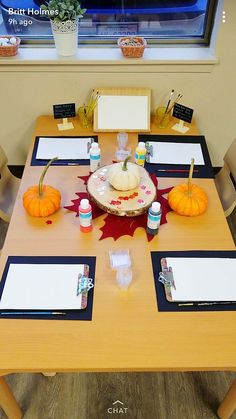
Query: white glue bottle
<point x="140" y="154"/>
<point x="85" y="216"/>
<point x="154" y="218"/>
<point x="95" y="157"/>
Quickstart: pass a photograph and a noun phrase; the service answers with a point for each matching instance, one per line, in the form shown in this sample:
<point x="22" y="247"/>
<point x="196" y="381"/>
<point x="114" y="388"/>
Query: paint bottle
<point x="154" y="218"/>
<point x="140" y="154"/>
<point x="95" y="157"/>
<point x="85" y="216"/>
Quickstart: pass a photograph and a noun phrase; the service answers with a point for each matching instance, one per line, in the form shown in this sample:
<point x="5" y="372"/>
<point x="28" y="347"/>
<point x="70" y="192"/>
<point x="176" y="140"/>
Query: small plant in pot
<point x="64" y="17"/>
<point x="132" y="46"/>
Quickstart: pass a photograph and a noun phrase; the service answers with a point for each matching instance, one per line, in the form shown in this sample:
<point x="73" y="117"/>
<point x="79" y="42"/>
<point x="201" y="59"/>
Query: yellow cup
<point x="162" y="118"/>
<point x="85" y="116"/>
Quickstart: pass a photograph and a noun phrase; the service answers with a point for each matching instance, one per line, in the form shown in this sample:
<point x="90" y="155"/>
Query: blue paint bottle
<point x="154" y="218"/>
<point x="95" y="157"/>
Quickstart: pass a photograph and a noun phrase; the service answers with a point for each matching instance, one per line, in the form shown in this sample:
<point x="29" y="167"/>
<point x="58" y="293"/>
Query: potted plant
<point x="64" y="17"/>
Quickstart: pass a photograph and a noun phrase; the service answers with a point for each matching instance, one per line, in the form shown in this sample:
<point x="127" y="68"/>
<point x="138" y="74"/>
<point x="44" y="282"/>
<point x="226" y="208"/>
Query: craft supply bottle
<point x="85" y="216"/>
<point x="154" y="218"/>
<point x="140" y="154"/>
<point x="95" y="157"/>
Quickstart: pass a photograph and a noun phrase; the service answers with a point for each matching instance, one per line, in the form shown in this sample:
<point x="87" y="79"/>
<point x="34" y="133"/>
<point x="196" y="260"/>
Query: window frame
<point x="48" y="41"/>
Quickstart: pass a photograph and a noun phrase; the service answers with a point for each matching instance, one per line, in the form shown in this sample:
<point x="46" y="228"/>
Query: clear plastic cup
<point x="122" y="138"/>
<point x="162" y="118"/>
<point x="124" y="277"/>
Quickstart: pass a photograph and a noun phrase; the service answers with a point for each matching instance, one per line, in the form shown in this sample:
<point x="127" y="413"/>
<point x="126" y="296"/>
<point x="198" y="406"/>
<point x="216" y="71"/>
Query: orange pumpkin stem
<point x="124" y="167"/>
<point x="190" y="176"/>
<point x="43" y="175"/>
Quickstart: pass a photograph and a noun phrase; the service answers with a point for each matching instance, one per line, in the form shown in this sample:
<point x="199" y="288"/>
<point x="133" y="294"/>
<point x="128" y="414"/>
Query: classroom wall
<point x="29" y="93"/>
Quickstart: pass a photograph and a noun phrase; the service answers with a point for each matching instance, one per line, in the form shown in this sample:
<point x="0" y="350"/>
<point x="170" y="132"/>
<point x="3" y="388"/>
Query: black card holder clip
<point x="89" y="145"/>
<point x="149" y="151"/>
<point x="84" y="284"/>
<point x="166" y="277"/>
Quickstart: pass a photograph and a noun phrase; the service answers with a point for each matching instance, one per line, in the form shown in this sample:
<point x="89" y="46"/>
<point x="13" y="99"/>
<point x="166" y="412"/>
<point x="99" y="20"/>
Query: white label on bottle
<point x="85" y="219"/>
<point x="153" y="221"/>
<point x="94" y="165"/>
<point x="139" y="158"/>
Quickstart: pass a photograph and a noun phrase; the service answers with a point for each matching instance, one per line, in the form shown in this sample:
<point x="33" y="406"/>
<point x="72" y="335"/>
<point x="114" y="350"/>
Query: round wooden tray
<point x="123" y="203"/>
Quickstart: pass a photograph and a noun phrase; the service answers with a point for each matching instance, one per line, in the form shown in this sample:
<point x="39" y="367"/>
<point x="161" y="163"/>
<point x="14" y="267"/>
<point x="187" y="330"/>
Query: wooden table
<point x="127" y="333"/>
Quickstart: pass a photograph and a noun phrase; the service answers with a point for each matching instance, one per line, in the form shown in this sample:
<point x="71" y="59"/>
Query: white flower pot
<point x="65" y="37"/>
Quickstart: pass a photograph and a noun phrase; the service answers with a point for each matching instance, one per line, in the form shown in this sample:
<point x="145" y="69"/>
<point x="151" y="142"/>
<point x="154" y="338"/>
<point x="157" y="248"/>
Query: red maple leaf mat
<point x="116" y="226"/>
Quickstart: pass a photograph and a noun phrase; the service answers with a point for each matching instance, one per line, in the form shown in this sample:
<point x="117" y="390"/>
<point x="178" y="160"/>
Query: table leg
<point x="8" y="402"/>
<point x="228" y="405"/>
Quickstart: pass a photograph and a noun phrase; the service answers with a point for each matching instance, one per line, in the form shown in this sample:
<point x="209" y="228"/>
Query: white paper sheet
<point x="176" y="153"/>
<point x="41" y="286"/>
<point x="123" y="112"/>
<point x="203" y="279"/>
<point x="63" y="148"/>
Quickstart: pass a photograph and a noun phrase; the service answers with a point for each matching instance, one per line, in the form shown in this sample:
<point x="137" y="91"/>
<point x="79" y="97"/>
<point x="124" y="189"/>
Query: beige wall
<point x="31" y="91"/>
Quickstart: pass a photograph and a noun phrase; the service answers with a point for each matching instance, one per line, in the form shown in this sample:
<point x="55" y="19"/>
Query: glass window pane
<point x="23" y="18"/>
<point x="109" y="19"/>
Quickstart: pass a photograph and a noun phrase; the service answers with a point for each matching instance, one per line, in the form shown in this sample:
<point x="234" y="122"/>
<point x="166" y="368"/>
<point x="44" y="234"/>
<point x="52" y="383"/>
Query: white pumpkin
<point x="124" y="176"/>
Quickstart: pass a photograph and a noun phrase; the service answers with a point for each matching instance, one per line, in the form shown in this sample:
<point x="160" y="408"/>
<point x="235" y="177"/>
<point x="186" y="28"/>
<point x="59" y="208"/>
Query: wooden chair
<point x="228" y="405"/>
<point x="225" y="180"/>
<point x="9" y="185"/>
<point x="8" y="402"/>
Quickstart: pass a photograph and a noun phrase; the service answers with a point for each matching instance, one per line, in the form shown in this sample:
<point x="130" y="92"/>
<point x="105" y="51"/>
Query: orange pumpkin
<point x="188" y="199"/>
<point x="42" y="200"/>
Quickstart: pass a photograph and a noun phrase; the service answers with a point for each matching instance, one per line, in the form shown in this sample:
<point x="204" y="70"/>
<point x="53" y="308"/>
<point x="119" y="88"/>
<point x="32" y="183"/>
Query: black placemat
<point x="60" y="162"/>
<point x="204" y="171"/>
<point x="162" y="303"/>
<point x="83" y="314"/>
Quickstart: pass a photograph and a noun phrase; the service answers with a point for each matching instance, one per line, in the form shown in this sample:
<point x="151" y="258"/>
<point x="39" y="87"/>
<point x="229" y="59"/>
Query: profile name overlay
<point x="32" y="12"/>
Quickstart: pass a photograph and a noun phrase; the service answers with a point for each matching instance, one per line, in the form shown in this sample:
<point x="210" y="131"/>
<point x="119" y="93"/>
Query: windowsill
<point x="192" y="59"/>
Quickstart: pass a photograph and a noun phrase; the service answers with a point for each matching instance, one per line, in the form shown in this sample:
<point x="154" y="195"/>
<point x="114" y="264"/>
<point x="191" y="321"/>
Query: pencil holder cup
<point x="85" y="117"/>
<point x="162" y="118"/>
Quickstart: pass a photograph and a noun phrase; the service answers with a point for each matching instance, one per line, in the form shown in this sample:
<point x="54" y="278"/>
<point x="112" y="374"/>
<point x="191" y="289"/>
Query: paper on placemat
<point x="63" y="148"/>
<point x="203" y="279"/>
<point x="42" y="287"/>
<point x="176" y="153"/>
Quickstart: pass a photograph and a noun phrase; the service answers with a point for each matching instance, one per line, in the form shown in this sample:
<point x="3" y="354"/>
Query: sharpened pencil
<point x="32" y="313"/>
<point x="207" y="304"/>
<point x="176" y="170"/>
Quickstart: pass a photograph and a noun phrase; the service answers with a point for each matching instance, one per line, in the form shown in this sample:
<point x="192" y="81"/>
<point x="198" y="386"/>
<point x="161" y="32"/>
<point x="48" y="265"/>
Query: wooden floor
<point x="145" y="395"/>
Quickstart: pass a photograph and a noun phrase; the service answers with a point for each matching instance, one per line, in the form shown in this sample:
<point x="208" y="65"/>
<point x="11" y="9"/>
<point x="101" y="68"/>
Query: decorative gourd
<point x="42" y="200"/>
<point x="124" y="176"/>
<point x="188" y="199"/>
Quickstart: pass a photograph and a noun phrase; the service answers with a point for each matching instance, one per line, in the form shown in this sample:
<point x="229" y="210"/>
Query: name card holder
<point x="184" y="114"/>
<point x="180" y="127"/>
<point x="65" y="125"/>
<point x="64" y="111"/>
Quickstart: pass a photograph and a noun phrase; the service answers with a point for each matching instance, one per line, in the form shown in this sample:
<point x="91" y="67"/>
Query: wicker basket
<point x="132" y="51"/>
<point x="9" y="50"/>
